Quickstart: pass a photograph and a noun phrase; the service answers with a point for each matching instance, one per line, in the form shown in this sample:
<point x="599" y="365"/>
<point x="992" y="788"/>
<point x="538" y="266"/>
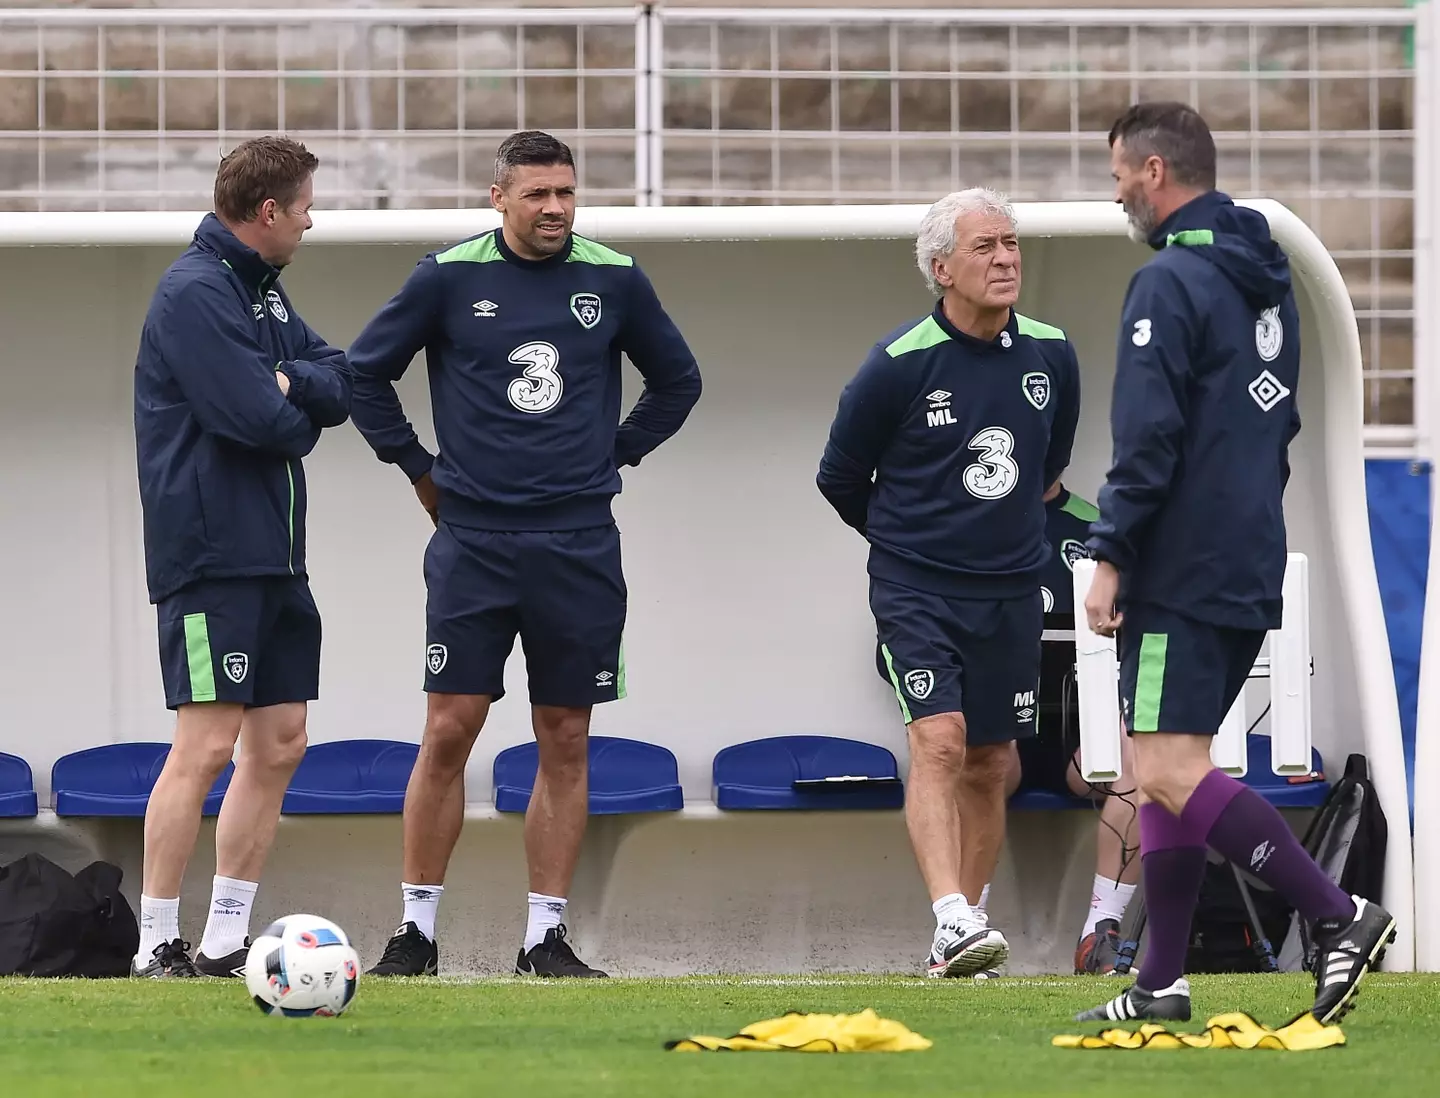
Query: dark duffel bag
<point x="55" y="924"/>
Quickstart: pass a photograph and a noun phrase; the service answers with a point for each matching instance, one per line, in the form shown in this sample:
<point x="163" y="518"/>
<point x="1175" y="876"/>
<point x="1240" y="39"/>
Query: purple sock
<point x="1172" y="866"/>
<point x="1245" y="828"/>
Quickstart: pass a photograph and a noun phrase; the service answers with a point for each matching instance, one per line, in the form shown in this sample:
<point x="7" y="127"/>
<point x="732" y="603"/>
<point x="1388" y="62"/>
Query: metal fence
<point x="127" y="109"/>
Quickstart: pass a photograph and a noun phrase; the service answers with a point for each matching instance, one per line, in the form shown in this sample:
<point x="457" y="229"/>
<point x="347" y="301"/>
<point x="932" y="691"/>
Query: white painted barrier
<point x="1097" y="689"/>
<point x="1427" y="406"/>
<point x="748" y="597"/>
<point x="1288" y="668"/>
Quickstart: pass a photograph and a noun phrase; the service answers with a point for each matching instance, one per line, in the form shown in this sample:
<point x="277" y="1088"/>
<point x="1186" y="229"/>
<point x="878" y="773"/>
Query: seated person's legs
<point x="1117" y="861"/>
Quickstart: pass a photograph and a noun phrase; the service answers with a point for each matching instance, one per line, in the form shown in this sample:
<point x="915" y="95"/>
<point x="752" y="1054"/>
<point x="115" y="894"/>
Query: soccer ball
<point x="302" y="966"/>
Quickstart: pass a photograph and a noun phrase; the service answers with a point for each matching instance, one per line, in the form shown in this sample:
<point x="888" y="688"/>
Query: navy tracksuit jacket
<point x="1202" y="415"/>
<point x="218" y="445"/>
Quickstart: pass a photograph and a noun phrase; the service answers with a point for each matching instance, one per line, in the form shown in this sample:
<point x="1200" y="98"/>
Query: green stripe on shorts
<point x="1150" y="681"/>
<point x="198" y="658"/>
<point x="895" y="681"/>
<point x="620" y="672"/>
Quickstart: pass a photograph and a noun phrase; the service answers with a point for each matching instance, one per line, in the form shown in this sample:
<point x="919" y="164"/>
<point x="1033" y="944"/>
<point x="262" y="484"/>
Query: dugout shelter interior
<point x="748" y="613"/>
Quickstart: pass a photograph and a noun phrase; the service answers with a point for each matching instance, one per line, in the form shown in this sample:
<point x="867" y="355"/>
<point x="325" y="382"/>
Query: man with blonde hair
<point x="940" y="454"/>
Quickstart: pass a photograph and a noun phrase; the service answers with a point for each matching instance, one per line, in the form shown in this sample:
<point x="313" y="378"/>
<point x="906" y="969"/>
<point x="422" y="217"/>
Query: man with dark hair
<point x="523" y="328"/>
<point x="232" y="389"/>
<point x="1191" y="547"/>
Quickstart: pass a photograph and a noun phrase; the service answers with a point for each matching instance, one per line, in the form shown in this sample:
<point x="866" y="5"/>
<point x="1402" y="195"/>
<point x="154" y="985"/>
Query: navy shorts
<point x="562" y="593"/>
<point x="255" y="642"/>
<point x="977" y="657"/>
<point x="1178" y="674"/>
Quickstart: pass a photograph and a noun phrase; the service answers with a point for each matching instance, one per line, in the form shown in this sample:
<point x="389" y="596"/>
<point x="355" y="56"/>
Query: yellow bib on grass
<point x="797" y="1032"/>
<point x="1302" y="1033"/>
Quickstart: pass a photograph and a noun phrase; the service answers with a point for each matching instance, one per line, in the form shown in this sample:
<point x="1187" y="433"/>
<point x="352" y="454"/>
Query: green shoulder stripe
<point x="480" y="250"/>
<point x="588" y="251"/>
<point x="1035" y="329"/>
<point x="1191" y="238"/>
<point x="925" y="334"/>
<point x="1082" y="509"/>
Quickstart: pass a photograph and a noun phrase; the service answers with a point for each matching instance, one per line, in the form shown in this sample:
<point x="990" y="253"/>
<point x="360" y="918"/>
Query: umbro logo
<point x="485" y="308"/>
<point x="228" y="904"/>
<point x="1267" y="390"/>
<point x="939" y="413"/>
<point x="605" y="678"/>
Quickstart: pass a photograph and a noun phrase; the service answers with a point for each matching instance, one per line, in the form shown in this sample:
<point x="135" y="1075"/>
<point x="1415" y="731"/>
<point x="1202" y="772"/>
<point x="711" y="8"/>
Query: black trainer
<point x="1345" y="952"/>
<point x="553" y="957"/>
<point x="1170" y="1004"/>
<point x="232" y="964"/>
<point x="169" y="961"/>
<point x="408" y="953"/>
<point x="1097" y="952"/>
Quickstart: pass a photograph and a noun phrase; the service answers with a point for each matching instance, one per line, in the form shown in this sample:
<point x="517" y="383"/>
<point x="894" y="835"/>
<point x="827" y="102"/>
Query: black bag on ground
<point x="1349" y="834"/>
<point x="1347" y="838"/>
<point x="55" y="924"/>
<point x="1222" y="938"/>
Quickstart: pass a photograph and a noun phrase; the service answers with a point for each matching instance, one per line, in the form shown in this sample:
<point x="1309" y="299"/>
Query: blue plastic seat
<point x="116" y="779"/>
<point x="625" y="776"/>
<point x="1281" y="791"/>
<point x="1044" y="800"/>
<point x="17" y="788"/>
<point x="351" y="776"/>
<point x="758" y="774"/>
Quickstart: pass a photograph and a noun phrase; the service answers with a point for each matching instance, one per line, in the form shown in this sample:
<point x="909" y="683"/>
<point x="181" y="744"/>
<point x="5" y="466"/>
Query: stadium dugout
<point x="748" y="614"/>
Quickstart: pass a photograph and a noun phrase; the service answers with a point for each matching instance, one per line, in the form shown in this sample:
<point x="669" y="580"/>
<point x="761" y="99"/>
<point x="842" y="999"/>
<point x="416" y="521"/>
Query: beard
<point x="1142" y="219"/>
<point x="547" y="245"/>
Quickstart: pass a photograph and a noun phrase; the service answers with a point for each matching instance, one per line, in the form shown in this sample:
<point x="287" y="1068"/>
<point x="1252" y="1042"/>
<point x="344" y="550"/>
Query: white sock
<point x="545" y="912"/>
<point x="229" y="923"/>
<point x="421" y="904"/>
<point x="1108" y="900"/>
<point x="159" y="922"/>
<point x="951" y="909"/>
<point x="984" y="903"/>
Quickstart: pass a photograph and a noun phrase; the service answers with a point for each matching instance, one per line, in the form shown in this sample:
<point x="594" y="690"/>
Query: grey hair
<point x="937" y="237"/>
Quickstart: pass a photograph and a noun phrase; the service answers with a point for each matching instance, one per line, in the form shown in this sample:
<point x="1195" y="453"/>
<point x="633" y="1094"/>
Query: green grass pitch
<point x="439" y="1037"/>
